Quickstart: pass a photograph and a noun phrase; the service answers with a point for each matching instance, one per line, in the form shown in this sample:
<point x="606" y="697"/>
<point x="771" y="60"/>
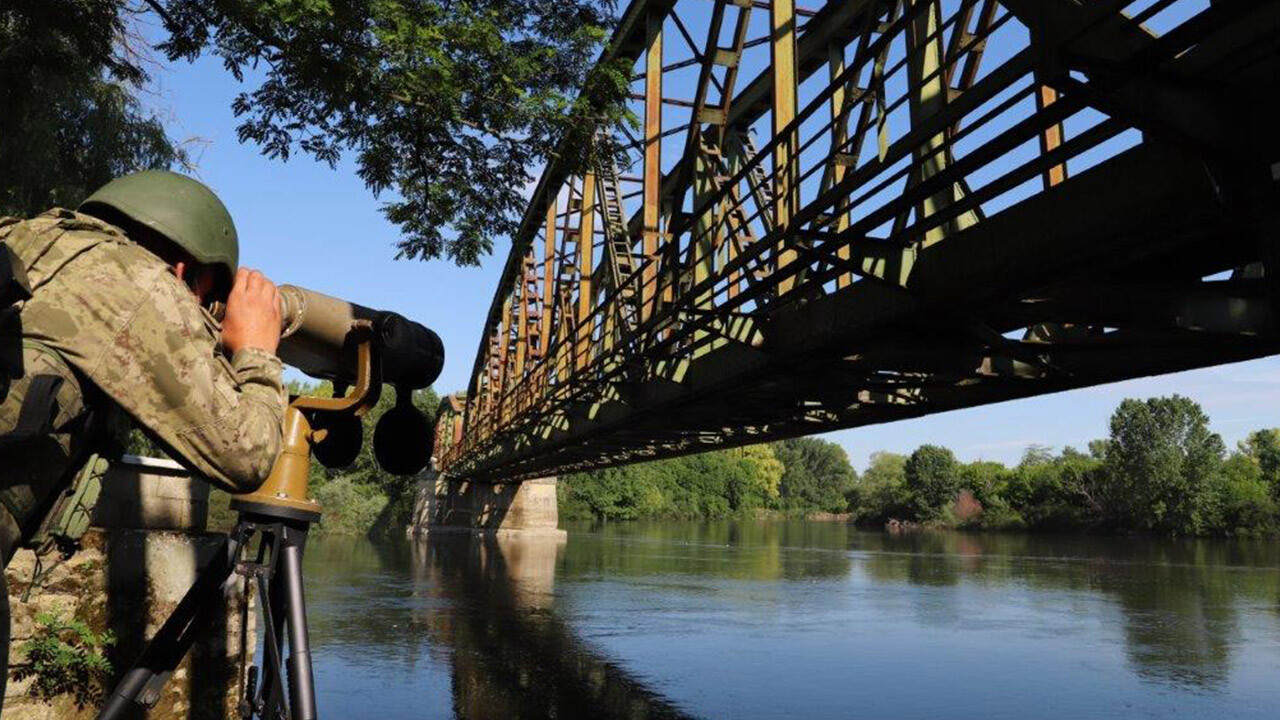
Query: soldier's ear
<point x="195" y="277"/>
<point x="180" y="271"/>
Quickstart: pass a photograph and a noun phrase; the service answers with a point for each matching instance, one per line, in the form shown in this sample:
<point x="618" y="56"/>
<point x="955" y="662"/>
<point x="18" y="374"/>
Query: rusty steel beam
<point x="918" y="228"/>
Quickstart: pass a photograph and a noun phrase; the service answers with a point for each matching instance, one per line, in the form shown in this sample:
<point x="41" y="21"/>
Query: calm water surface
<point x="788" y="619"/>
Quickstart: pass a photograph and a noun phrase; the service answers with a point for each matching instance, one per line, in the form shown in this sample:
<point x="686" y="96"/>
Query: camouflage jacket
<point x="120" y="318"/>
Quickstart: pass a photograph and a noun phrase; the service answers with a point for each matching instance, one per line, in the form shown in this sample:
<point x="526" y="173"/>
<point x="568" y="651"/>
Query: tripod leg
<point x="140" y="687"/>
<point x="271" y="690"/>
<point x="301" y="683"/>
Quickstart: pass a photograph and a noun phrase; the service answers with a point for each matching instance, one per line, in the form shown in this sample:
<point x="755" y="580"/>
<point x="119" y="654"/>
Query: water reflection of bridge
<point x="512" y="656"/>
<point x="1179" y="602"/>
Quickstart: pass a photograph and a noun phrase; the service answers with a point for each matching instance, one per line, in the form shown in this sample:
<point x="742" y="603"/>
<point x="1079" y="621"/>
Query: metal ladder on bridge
<point x="622" y="262"/>
<point x="737" y="219"/>
<point x="757" y="179"/>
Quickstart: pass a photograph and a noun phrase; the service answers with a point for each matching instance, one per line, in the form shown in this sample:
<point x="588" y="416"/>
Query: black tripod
<point x="273" y="689"/>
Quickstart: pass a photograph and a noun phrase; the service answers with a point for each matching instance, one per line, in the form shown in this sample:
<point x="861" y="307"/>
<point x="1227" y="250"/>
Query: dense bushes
<point x="799" y="476"/>
<point x="1161" y="470"/>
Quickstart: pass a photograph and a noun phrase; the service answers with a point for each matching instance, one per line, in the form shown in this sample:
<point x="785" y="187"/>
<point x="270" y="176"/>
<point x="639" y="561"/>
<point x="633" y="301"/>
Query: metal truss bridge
<point x="872" y="210"/>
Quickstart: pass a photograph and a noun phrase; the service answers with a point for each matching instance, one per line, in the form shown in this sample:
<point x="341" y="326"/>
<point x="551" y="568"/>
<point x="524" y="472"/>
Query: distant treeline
<point x="1160" y="470"/>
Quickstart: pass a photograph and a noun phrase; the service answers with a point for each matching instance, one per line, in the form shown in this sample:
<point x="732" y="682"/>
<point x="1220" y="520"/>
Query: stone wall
<point x="128" y="578"/>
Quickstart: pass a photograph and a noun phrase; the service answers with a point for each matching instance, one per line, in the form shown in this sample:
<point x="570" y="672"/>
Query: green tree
<point x="1263" y="447"/>
<point x="1247" y="507"/>
<point x="446" y="105"/>
<point x="882" y="489"/>
<point x="989" y="482"/>
<point x="934" y="477"/>
<point x="818" y="476"/>
<point x="70" y="71"/>
<point x="766" y="473"/>
<point x="800" y="477"/>
<point x="986" y="479"/>
<point x="1163" y="465"/>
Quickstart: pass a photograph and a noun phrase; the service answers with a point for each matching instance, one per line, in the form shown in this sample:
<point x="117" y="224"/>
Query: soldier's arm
<point x="222" y="418"/>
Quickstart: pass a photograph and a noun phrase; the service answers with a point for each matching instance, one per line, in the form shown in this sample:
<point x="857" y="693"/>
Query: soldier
<point x="111" y="316"/>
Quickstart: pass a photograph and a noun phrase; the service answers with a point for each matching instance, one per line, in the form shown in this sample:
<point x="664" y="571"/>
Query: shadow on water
<point x="511" y="655"/>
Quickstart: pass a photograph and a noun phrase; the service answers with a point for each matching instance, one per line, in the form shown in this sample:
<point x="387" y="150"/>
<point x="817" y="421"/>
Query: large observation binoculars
<point x="358" y="349"/>
<point x="316" y="336"/>
<point x="321" y="336"/>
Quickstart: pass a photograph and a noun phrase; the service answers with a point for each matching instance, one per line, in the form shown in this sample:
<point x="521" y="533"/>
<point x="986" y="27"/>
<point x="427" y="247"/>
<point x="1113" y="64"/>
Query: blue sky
<point x="301" y="222"/>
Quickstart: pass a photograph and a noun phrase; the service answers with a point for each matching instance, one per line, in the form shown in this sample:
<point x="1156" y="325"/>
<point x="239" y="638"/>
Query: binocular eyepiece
<point x="318" y="336"/>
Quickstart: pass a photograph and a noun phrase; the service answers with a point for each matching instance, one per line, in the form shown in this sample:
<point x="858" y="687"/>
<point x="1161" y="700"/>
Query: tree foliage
<point x="933" y="475"/>
<point x="447" y="105"/>
<point x="791" y="476"/>
<point x="882" y="492"/>
<point x="71" y="120"/>
<point x="1262" y="447"/>
<point x="1160" y="470"/>
<point x="1162" y="462"/>
<point x="818" y="475"/>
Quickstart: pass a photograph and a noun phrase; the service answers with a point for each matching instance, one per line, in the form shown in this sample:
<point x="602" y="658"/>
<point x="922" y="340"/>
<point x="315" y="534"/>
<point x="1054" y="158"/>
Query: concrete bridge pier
<point x="446" y="505"/>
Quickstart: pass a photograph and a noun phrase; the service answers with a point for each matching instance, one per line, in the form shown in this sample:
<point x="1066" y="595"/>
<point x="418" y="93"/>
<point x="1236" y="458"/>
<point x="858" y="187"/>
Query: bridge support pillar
<point x="446" y="505"/>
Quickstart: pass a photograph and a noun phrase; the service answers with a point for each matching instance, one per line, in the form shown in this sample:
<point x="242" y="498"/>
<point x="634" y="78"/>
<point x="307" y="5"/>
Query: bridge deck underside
<point x="865" y="266"/>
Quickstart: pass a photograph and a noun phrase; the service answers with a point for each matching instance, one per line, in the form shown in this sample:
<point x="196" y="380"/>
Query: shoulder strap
<point x="39" y="402"/>
<point x="39" y="407"/>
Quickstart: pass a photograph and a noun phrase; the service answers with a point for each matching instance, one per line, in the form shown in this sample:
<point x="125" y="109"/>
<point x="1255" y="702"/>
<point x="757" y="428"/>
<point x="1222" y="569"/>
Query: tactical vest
<point x="49" y="426"/>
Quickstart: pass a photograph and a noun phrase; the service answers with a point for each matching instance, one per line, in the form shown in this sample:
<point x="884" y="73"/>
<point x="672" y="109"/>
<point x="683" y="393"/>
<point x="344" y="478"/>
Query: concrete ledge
<point x="134" y="568"/>
<point x="151" y="494"/>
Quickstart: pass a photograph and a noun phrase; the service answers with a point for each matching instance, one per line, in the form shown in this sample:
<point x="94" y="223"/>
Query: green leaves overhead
<point x="448" y="107"/>
<point x="69" y="70"/>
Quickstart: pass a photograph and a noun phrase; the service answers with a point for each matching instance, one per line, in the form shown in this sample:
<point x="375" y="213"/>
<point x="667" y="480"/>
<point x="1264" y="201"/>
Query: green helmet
<point x="181" y="209"/>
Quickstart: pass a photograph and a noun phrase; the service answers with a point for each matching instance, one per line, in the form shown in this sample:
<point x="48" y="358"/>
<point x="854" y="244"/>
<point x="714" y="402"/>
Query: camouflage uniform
<point x="122" y="321"/>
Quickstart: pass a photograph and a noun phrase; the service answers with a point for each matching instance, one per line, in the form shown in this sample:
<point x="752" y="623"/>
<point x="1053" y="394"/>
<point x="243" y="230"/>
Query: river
<point x="794" y="619"/>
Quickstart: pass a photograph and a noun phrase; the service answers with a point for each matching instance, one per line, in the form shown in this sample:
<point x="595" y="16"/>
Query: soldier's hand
<point x="252" y="319"/>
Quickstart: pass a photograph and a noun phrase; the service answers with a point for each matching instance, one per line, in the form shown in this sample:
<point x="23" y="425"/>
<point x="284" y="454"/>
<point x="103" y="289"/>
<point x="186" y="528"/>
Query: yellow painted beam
<point x="586" y="266"/>
<point x="652" y="180"/>
<point x="782" y="23"/>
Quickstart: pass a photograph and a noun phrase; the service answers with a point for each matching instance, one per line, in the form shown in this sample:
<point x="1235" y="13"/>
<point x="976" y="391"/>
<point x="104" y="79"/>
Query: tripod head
<point x="358" y="349"/>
